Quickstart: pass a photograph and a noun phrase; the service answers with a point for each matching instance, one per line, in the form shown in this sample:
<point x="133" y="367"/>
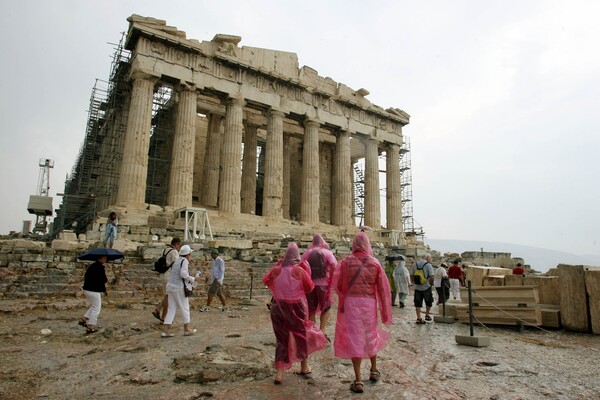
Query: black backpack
<point x="160" y="265"/>
<point x="317" y="264"/>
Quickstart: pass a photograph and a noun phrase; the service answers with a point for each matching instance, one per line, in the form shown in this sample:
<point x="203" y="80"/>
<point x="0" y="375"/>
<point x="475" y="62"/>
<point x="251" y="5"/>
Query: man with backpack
<point x="423" y="280"/>
<point x="322" y="264"/>
<point x="169" y="255"/>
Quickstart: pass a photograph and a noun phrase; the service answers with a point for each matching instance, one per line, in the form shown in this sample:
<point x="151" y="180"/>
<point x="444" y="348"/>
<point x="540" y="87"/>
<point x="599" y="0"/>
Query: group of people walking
<point x="302" y="287"/>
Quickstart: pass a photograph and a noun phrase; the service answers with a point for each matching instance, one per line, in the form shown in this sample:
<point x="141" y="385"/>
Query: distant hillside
<point x="540" y="259"/>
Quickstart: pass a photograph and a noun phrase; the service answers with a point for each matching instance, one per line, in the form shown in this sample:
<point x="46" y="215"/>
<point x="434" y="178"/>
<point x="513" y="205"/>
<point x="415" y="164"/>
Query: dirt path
<point x="232" y="358"/>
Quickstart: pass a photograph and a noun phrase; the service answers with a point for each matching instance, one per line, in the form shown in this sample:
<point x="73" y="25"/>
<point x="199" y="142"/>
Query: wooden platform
<point x="502" y="295"/>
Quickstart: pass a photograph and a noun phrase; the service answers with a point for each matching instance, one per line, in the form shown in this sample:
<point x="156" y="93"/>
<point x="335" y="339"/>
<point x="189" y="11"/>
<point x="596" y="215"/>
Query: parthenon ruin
<point x="241" y="132"/>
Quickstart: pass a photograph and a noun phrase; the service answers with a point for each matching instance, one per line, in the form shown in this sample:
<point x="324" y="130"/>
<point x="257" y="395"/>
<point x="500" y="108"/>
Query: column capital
<point x="392" y="146"/>
<point x="312" y="122"/>
<point x="141" y="75"/>
<point x="275" y="113"/>
<point x="236" y="101"/>
<point x="186" y="87"/>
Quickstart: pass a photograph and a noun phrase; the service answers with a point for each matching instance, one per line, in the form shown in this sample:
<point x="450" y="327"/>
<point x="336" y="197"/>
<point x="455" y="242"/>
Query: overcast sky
<point x="504" y="97"/>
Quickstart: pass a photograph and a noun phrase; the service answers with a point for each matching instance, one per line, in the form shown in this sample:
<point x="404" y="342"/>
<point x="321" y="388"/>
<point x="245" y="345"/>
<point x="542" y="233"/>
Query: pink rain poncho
<point x="296" y="336"/>
<point x="361" y="284"/>
<point x="322" y="264"/>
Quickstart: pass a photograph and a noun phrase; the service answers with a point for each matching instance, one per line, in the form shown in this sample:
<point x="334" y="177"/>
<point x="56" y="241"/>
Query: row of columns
<point x="231" y="186"/>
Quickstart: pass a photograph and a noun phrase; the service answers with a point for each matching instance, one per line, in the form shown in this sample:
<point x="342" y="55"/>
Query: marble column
<point x="372" y="201"/>
<point x="273" y="190"/>
<point x="342" y="181"/>
<point x="309" y="208"/>
<point x="134" y="164"/>
<point x="181" y="175"/>
<point x="249" y="170"/>
<point x="285" y="199"/>
<point x="212" y="162"/>
<point x="230" y="183"/>
<point x="393" y="197"/>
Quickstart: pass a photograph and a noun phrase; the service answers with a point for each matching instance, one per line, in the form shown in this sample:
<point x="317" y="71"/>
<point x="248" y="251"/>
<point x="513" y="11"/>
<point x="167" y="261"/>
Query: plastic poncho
<point x="401" y="277"/>
<point x="361" y="285"/>
<point x="322" y="264"/>
<point x="296" y="336"/>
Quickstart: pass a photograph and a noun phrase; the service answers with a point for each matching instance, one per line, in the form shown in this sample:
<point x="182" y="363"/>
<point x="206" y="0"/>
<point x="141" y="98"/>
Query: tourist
<point x="180" y="276"/>
<point x="518" y="270"/>
<point x="110" y="234"/>
<point x="171" y="253"/>
<point x="454" y="274"/>
<point x="423" y="279"/>
<point x="296" y="336"/>
<point x="94" y="284"/>
<point x="322" y="263"/>
<point x="440" y="282"/>
<point x="217" y="274"/>
<point x="389" y="272"/>
<point x="401" y="280"/>
<point x="361" y="284"/>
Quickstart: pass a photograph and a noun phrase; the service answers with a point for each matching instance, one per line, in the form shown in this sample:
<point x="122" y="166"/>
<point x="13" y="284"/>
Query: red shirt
<point x="518" y="271"/>
<point x="454" y="272"/>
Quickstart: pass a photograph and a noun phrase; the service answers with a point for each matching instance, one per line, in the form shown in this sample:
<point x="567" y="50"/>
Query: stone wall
<point x="33" y="269"/>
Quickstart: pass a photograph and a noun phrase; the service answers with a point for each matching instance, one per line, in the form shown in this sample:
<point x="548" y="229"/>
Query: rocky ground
<point x="232" y="356"/>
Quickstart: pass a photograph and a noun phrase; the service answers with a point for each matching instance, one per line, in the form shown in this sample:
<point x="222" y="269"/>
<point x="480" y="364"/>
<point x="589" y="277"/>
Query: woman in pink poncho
<point x="322" y="264"/>
<point x="296" y="336"/>
<point x="361" y="284"/>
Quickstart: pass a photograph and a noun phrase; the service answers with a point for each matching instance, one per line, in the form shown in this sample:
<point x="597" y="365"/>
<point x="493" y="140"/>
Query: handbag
<point x="187" y="291"/>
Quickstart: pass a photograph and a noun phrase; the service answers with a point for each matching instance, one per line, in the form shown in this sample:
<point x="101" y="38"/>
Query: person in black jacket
<point x="94" y="283"/>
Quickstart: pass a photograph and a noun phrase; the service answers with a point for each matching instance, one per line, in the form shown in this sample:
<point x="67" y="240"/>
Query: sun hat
<point x="185" y="250"/>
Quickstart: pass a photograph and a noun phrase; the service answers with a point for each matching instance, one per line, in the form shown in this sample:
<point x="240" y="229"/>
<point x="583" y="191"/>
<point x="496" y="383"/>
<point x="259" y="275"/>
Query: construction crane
<point x="40" y="204"/>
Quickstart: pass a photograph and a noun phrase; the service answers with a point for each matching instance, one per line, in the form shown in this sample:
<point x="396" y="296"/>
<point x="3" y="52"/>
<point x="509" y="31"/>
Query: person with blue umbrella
<point x="94" y="284"/>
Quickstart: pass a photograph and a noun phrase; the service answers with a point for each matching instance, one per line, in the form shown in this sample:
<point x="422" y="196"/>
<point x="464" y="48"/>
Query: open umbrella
<point x="95" y="254"/>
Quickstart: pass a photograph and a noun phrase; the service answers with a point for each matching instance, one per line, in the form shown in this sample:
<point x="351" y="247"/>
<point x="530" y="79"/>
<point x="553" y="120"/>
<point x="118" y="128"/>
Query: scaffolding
<point x="359" y="193"/>
<point x="408" y="222"/>
<point x="91" y="184"/>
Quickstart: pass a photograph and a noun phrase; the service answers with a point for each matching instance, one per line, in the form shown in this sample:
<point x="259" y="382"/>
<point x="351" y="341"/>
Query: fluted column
<point x="231" y="155"/>
<point x="134" y="164"/>
<point x="212" y="162"/>
<point x="342" y="181"/>
<point x="273" y="190"/>
<point x="181" y="175"/>
<point x="309" y="209"/>
<point x="285" y="198"/>
<point x="372" y="202"/>
<point x="393" y="196"/>
<point x="249" y="170"/>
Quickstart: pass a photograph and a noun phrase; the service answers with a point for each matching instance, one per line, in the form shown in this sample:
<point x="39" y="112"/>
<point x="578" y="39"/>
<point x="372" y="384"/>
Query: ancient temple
<point x="241" y="132"/>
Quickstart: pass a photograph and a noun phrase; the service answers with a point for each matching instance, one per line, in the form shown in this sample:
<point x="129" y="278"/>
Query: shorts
<point x="319" y="300"/>
<point x="421" y="295"/>
<point x="215" y="288"/>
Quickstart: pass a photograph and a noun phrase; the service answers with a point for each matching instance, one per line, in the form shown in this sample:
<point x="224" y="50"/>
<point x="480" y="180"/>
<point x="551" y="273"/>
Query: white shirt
<point x="440" y="273"/>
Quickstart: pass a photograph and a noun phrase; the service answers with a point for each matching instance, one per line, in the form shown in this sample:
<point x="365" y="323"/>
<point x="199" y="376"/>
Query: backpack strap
<point x="166" y="254"/>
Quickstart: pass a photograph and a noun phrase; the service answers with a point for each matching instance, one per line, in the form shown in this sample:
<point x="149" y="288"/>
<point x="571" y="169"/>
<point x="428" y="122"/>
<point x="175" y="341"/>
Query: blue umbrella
<point x="95" y="254"/>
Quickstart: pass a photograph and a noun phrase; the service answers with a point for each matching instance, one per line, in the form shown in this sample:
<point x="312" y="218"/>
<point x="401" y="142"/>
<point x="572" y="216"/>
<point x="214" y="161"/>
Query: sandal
<point x="91" y="330"/>
<point x="82" y="322"/>
<point x="305" y="373"/>
<point x="427" y="318"/>
<point x="374" y="376"/>
<point x="357" y="387"/>
<point x="420" y="321"/>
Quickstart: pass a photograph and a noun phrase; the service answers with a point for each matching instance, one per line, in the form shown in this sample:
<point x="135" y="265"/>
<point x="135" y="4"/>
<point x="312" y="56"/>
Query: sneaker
<point x="190" y="333"/>
<point x="224" y="309"/>
<point x="166" y="335"/>
<point x="401" y="305"/>
<point x="204" y="309"/>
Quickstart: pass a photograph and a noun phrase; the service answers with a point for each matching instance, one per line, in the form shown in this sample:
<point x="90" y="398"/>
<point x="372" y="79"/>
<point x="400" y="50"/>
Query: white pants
<point x="177" y="300"/>
<point x="95" y="299"/>
<point x="455" y="288"/>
